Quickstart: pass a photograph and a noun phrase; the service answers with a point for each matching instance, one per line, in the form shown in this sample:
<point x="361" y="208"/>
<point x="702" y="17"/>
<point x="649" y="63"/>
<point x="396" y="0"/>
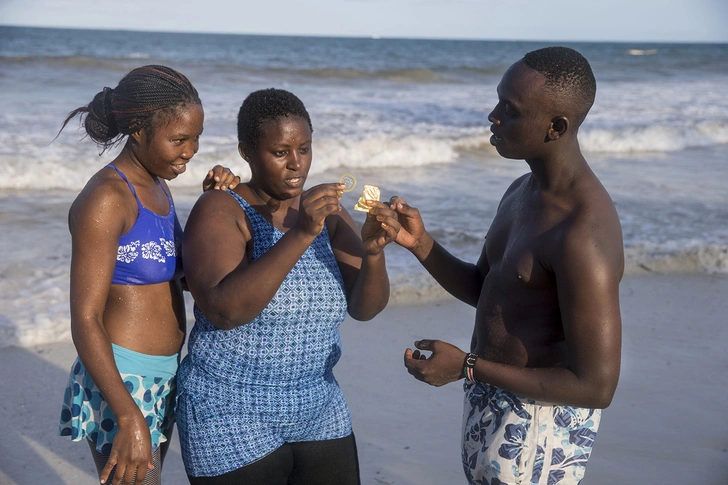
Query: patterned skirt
<point x="151" y="382"/>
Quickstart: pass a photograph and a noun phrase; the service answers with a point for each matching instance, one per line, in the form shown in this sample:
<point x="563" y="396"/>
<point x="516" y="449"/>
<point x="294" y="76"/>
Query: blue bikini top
<point x="150" y="252"/>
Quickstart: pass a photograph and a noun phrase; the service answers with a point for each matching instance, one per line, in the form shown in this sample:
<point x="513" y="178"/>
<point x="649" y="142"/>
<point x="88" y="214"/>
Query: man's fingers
<point x="407" y="356"/>
<point x="401" y="207"/>
<point x="425" y="344"/>
<point x="409" y="359"/>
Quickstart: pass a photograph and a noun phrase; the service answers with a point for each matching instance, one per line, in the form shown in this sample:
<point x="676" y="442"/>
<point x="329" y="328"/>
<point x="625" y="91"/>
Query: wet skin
<point x="545" y="287"/>
<point x="147" y="318"/>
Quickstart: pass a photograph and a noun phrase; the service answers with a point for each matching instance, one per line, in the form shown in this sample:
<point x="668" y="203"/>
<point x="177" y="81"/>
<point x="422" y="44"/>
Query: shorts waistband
<point x="132" y="362"/>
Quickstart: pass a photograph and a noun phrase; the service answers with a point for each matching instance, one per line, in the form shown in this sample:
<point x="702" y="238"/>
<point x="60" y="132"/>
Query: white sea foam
<point x="35" y="308"/>
<point x="136" y="55"/>
<point x="382" y="151"/>
<point x="654" y="137"/>
<point x="68" y="165"/>
<point x="642" y="52"/>
<point x="687" y="257"/>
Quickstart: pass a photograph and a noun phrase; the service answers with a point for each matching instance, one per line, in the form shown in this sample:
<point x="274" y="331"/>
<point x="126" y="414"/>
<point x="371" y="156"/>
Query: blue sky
<point x="568" y="20"/>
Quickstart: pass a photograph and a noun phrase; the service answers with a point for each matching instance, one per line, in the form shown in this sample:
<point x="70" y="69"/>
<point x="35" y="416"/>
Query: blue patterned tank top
<point x="279" y="367"/>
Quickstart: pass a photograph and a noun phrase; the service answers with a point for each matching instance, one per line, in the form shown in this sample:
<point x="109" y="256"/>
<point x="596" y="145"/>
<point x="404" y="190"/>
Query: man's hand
<point x="380" y="228"/>
<point x="443" y="366"/>
<point x="220" y="178"/>
<point x="412" y="234"/>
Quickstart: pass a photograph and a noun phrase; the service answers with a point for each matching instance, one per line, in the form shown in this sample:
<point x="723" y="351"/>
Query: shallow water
<point x="407" y="115"/>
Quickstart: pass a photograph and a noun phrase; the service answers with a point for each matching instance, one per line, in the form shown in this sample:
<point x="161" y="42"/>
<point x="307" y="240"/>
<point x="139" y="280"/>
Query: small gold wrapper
<point x="370" y="193"/>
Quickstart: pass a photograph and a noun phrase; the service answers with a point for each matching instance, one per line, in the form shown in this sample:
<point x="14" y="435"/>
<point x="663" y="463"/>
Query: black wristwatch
<point x="468" y="366"/>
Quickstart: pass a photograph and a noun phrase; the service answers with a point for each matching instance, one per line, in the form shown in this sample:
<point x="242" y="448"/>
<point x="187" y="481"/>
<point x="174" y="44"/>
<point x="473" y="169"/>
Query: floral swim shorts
<point x="150" y="380"/>
<point x="508" y="439"/>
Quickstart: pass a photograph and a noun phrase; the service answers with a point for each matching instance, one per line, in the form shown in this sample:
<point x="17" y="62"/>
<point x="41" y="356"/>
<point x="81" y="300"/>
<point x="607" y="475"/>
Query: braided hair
<point x="263" y="106"/>
<point x="143" y="95"/>
<point x="568" y="74"/>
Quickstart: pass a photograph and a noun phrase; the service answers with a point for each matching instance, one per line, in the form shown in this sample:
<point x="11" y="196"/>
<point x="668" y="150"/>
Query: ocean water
<point x="407" y="115"/>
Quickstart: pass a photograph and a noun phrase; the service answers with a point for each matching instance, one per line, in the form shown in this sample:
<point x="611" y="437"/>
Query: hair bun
<point x="108" y="94"/>
<point x="100" y="122"/>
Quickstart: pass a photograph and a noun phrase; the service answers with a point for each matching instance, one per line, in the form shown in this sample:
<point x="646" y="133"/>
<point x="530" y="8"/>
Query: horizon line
<point x="376" y="37"/>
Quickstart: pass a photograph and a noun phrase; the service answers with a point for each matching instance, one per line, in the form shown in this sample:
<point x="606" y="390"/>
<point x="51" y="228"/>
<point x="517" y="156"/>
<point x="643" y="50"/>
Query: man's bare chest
<point x="517" y="248"/>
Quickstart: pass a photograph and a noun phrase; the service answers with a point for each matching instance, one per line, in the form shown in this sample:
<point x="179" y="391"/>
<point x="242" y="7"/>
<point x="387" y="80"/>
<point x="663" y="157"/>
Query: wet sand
<point x="666" y="424"/>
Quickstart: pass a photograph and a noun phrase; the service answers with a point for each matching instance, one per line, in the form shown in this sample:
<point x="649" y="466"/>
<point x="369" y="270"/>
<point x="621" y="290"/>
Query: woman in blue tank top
<point x="127" y="310"/>
<point x="274" y="269"/>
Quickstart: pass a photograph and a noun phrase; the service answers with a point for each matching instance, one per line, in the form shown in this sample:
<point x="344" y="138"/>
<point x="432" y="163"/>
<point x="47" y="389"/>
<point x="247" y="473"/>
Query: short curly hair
<point x="263" y="106"/>
<point x="568" y="74"/>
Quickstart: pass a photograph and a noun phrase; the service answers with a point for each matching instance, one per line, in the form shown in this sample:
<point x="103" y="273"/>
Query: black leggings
<point x="330" y="462"/>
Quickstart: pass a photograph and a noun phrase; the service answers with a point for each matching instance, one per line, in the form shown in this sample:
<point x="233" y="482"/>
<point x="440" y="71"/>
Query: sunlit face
<point x="280" y="164"/>
<point x="173" y="142"/>
<point x="521" y="119"/>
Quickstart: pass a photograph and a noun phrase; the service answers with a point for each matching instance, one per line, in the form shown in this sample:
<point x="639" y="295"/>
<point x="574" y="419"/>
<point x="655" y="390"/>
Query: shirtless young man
<point x="545" y="352"/>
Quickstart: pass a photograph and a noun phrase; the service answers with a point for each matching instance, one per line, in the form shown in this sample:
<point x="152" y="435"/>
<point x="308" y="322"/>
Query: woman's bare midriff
<point x="149" y="319"/>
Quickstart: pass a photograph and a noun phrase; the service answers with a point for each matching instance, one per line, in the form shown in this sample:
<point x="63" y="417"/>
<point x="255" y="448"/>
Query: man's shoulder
<point x="517" y="183"/>
<point x="592" y="202"/>
<point x="593" y="226"/>
<point x="513" y="188"/>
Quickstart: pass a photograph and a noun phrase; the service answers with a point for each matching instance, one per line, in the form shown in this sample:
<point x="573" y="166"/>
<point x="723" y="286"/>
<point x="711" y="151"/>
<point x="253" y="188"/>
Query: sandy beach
<point x="667" y="423"/>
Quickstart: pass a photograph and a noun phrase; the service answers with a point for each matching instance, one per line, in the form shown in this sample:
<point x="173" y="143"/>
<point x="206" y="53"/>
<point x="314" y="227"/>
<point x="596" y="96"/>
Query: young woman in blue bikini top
<point x="126" y="290"/>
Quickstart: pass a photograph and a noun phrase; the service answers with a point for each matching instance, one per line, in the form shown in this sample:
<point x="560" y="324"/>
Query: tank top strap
<point x="252" y="214"/>
<point x="131" y="187"/>
<point x="243" y="203"/>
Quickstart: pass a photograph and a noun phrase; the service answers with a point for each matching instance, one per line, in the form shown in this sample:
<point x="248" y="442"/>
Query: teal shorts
<point x="151" y="382"/>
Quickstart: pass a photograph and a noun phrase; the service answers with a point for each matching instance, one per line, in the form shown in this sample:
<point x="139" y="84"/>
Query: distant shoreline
<point x="527" y="43"/>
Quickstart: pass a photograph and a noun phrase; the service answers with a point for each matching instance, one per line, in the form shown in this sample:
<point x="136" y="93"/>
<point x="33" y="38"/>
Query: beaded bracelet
<point x="468" y="365"/>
